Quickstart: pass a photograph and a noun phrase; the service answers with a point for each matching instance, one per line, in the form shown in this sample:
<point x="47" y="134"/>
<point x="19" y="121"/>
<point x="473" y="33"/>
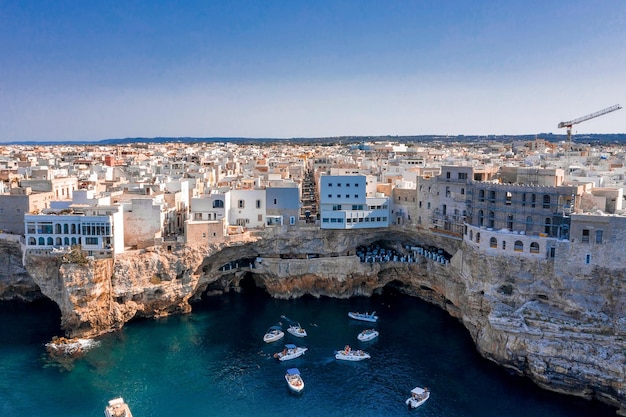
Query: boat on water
<point x="347" y="354"/>
<point x="273" y="334"/>
<point x="291" y="351"/>
<point x="296" y="330"/>
<point x="117" y="408"/>
<point x="294" y="380"/>
<point x="367" y="335"/>
<point x="418" y="397"/>
<point x="371" y="317"/>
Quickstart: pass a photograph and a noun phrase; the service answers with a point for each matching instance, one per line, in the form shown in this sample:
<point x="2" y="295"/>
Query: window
<point x="518" y="246"/>
<point x="218" y="204"/>
<point x="330" y="184"/>
<point x="504" y="245"/>
<point x="588" y="258"/>
<point x="419" y="204"/>
<point x="91" y="241"/>
<point x="356" y="196"/>
<point x="324" y="220"/>
<point x="481" y="195"/>
<point x="258" y="204"/>
<point x="330" y="196"/>
<point x="447" y="191"/>
<point x="339" y="184"/>
<point x="462" y="191"/>
<point x="462" y="176"/>
<point x="240" y="204"/>
<point x="509" y="222"/>
<point x="338" y="195"/>
<point x="548" y="226"/>
<point x="275" y="201"/>
<point x="493" y="242"/>
<point x="348" y="184"/>
<point x="529" y="224"/>
<point x="481" y="217"/>
<point x="356" y="185"/>
<point x="534" y="247"/>
<point x="492" y="196"/>
<point x="546" y="201"/>
<point x="491" y="219"/>
<point x="259" y="217"/>
<point x="347" y="195"/>
<point x="428" y="205"/>
<point x="448" y="174"/>
<point x="533" y="199"/>
<point x="478" y="237"/>
<point x="599" y="236"/>
<point x="585" y="238"/>
<point x="509" y="197"/>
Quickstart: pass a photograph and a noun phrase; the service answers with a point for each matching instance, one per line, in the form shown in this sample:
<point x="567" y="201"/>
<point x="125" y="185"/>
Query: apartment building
<point x="344" y="205"/>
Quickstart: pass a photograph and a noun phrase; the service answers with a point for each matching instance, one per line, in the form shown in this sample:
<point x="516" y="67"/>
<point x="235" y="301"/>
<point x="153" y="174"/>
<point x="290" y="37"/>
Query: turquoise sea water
<point x="214" y="362"/>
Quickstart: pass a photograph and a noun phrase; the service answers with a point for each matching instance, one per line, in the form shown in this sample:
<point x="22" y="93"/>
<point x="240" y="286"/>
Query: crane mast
<point x="571" y="123"/>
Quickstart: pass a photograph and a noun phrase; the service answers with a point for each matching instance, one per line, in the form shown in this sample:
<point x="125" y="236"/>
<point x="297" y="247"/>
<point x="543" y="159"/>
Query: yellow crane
<point x="571" y="123"/>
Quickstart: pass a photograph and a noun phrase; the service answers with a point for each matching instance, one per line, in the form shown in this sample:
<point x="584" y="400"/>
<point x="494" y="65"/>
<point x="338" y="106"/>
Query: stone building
<point x="16" y="203"/>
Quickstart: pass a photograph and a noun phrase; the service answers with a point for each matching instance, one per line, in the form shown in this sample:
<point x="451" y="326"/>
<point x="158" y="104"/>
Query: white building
<point x="344" y="204"/>
<point x="98" y="230"/>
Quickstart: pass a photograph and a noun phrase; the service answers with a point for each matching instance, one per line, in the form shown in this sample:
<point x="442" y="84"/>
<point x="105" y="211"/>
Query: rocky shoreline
<point x="564" y="330"/>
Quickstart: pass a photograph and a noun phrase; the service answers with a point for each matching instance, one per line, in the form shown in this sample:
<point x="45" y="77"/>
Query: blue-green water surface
<point x="214" y="362"/>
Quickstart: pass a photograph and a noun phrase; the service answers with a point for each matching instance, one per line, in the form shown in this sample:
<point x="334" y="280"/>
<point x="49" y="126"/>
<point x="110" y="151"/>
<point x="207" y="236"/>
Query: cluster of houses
<point x="517" y="198"/>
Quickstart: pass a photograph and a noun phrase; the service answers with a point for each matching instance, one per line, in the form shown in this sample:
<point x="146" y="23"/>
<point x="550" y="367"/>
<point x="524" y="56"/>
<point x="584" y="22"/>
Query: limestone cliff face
<point x="15" y="281"/>
<point x="101" y="295"/>
<point x="563" y="327"/>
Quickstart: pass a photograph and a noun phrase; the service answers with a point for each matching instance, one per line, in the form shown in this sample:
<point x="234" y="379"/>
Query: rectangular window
<point x="348" y="184"/>
<point x="274" y="201"/>
<point x="356" y="185"/>
<point x="338" y="184"/>
<point x="91" y="240"/>
<point x="588" y="258"/>
<point x="260" y="217"/>
<point x="462" y="175"/>
<point x="258" y="204"/>
<point x="428" y="205"/>
<point x="333" y="220"/>
<point x="330" y="196"/>
<point x="356" y="196"/>
<point x="240" y="204"/>
<point x="599" y="236"/>
<point x="448" y="174"/>
<point x="330" y="184"/>
<point x="585" y="238"/>
<point x="324" y="220"/>
<point x="292" y="220"/>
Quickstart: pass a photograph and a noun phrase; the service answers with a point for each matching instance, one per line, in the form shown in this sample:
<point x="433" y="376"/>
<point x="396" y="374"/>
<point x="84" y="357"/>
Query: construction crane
<point x="571" y="123"/>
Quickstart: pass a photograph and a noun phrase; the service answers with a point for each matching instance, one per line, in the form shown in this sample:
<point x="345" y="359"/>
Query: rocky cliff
<point x="563" y="329"/>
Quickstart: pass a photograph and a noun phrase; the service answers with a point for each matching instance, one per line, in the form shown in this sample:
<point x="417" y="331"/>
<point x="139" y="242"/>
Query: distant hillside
<point x="595" y="138"/>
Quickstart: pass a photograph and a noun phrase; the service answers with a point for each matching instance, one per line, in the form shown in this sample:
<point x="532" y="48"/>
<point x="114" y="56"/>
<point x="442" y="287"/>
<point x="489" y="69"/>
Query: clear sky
<point x="89" y="70"/>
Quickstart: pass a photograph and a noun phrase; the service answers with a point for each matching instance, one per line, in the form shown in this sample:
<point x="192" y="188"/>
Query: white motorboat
<point x="371" y="317"/>
<point x="117" y="408"/>
<point x="367" y="335"/>
<point x="291" y="351"/>
<point x="296" y="330"/>
<point x="418" y="397"/>
<point x="294" y="380"/>
<point x="347" y="354"/>
<point x="273" y="334"/>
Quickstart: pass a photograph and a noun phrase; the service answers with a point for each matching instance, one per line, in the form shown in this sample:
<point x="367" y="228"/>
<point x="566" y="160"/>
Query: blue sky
<point x="89" y="70"/>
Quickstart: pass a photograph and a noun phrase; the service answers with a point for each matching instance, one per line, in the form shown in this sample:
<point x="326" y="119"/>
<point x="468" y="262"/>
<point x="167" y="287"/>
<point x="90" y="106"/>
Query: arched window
<point x="534" y="247"/>
<point x="57" y="229"/>
<point x="491" y="219"/>
<point x="481" y="217"/>
<point x="66" y="229"/>
<point x="50" y="242"/>
<point x="66" y="241"/>
<point x="58" y="241"/>
<point x="73" y="241"/>
<point x="218" y="204"/>
<point x="546" y="201"/>
<point x="32" y="241"/>
<point x="42" y="241"/>
<point x="481" y="195"/>
<point x="73" y="229"/>
<point x="518" y="246"/>
<point x="493" y="242"/>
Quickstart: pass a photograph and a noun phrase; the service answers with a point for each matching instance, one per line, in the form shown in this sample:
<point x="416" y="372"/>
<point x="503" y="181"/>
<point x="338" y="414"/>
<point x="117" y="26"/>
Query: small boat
<point x="290" y="352"/>
<point x="294" y="380"/>
<point x="367" y="335"/>
<point x="273" y="334"/>
<point x="117" y="408"/>
<point x="296" y="330"/>
<point x="347" y="354"/>
<point x="418" y="397"/>
<point x="371" y="317"/>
